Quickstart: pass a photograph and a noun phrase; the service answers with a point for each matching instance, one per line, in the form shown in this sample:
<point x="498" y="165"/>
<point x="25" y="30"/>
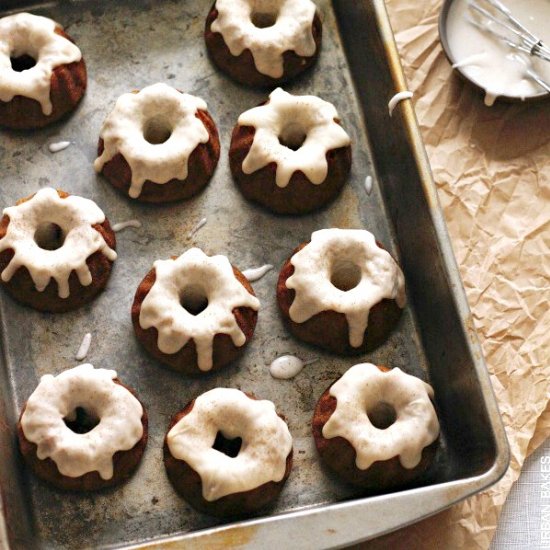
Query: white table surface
<point x="525" y="520"/>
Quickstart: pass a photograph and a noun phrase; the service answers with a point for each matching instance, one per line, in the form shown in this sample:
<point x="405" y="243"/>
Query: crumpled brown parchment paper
<point x="492" y="170"/>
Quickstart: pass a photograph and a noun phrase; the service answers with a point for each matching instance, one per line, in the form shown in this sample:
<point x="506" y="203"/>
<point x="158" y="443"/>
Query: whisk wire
<point x="525" y="41"/>
<point x="538" y="45"/>
<point x="529" y="43"/>
<point x="525" y="48"/>
<point x="538" y="80"/>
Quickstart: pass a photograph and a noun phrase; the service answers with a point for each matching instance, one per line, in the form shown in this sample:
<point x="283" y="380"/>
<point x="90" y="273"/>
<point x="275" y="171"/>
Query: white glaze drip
<point x="262" y="458"/>
<point x="368" y="185"/>
<point x="364" y="386"/>
<point x="58" y="146"/>
<point x="172" y="114"/>
<point x="490" y="63"/>
<point x="397" y="98"/>
<point x="291" y="32"/>
<point x="57" y="397"/>
<point x="209" y="277"/>
<point x="120" y="226"/>
<point x="314" y="265"/>
<point x="27" y="34"/>
<point x="197" y="227"/>
<point x="490" y="98"/>
<point x="255" y="274"/>
<point x="84" y="347"/>
<point x="285" y="367"/>
<point x="291" y="116"/>
<point x="76" y="216"/>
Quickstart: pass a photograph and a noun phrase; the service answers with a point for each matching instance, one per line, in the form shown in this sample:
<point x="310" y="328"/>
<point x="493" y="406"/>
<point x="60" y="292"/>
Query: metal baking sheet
<point x="128" y="45"/>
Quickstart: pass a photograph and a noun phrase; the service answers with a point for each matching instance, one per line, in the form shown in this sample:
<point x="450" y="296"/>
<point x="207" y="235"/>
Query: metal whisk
<point x="521" y="38"/>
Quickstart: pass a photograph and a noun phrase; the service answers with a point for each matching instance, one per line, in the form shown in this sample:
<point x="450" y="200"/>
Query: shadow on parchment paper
<point x="505" y="131"/>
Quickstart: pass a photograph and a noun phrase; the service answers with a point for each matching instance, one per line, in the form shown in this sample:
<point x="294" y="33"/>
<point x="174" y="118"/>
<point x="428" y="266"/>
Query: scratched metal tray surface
<point x="128" y="45"/>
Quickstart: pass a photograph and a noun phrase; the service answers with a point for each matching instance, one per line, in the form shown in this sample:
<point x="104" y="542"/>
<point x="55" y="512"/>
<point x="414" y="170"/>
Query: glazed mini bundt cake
<point x="195" y="313"/>
<point x="158" y="145"/>
<point x="291" y="154"/>
<point x="227" y="453"/>
<point x="263" y="43"/>
<point x="42" y="72"/>
<point x="341" y="291"/>
<point x="82" y="430"/>
<point x="377" y="427"/>
<point x="56" y="250"/>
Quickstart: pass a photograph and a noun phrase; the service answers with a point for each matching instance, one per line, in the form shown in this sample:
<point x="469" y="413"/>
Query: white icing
<point x="197" y="227"/>
<point x="120" y="226"/>
<point x="76" y="216"/>
<point x="59" y="146"/>
<point x="368" y="185"/>
<point x="285" y="367"/>
<point x="361" y="388"/>
<point x="167" y="111"/>
<point x="489" y="62"/>
<point x="57" y="397"/>
<point x="292" y="30"/>
<point x="255" y="274"/>
<point x="290" y="116"/>
<point x="397" y="98"/>
<point x="470" y="60"/>
<point x="27" y="34"/>
<point x="490" y="98"/>
<point x="209" y="276"/>
<point x="265" y="447"/>
<point x="327" y="253"/>
<point x="84" y="347"/>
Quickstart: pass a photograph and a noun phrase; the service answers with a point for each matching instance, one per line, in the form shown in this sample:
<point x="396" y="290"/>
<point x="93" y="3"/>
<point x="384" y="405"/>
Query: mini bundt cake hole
<point x="157" y="130"/>
<point x="49" y="236"/>
<point x="292" y="136"/>
<point x="264" y="20"/>
<point x="345" y="275"/>
<point x="81" y="420"/>
<point x="229" y="447"/>
<point x="22" y="63"/>
<point x="194" y="299"/>
<point x="382" y="415"/>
